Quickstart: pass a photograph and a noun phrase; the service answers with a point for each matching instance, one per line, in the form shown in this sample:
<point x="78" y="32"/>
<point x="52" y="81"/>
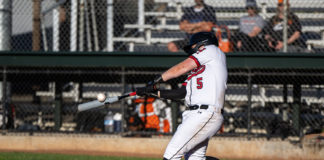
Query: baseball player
<point x="203" y="91"/>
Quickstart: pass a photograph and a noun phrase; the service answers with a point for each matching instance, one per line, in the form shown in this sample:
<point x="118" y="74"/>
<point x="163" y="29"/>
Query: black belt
<point x="194" y="107"/>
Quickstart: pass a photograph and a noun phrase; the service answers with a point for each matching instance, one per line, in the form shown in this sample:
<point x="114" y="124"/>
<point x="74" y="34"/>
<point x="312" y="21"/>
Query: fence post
<point x="58" y="106"/>
<point x="4" y="97"/>
<point x="249" y="104"/>
<point x="80" y="96"/>
<point x="141" y="19"/>
<point x="110" y="22"/>
<point x="285" y="27"/>
<point x="36" y="25"/>
<point x="81" y="25"/>
<point x="74" y="25"/>
<point x="174" y="112"/>
<point x="285" y="93"/>
<point x="56" y="29"/>
<point x="5" y="24"/>
<point x="123" y="101"/>
<point x="296" y="108"/>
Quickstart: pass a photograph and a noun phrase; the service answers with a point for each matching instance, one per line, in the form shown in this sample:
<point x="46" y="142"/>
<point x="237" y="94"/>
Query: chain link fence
<point x="151" y="25"/>
<point x="258" y="103"/>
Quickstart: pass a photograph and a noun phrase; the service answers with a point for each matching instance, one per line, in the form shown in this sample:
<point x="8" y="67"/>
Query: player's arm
<point x="179" y="69"/>
<point x="179" y="93"/>
<point x="175" y="71"/>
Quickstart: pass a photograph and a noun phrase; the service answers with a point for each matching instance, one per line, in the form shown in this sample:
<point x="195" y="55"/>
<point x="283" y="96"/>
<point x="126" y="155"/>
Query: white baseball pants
<point x="192" y="135"/>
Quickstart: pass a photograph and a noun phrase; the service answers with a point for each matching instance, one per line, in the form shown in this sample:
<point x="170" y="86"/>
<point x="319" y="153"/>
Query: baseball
<point x="101" y="97"/>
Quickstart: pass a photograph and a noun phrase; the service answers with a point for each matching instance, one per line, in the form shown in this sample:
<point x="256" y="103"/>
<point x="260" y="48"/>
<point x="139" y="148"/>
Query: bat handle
<point x="132" y="94"/>
<point x="127" y="95"/>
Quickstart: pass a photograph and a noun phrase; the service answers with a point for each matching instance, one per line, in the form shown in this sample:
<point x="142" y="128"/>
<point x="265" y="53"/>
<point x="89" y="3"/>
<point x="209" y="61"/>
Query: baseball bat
<point x="108" y="100"/>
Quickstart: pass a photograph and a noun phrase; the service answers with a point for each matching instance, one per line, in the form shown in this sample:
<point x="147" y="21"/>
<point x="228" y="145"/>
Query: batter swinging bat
<point x="108" y="100"/>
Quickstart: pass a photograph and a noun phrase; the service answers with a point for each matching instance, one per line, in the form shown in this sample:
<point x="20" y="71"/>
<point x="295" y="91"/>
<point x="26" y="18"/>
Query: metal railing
<point x="146" y="26"/>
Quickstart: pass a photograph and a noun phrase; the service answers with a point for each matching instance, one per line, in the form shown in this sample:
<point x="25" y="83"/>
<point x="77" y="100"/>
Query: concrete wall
<point x="154" y="147"/>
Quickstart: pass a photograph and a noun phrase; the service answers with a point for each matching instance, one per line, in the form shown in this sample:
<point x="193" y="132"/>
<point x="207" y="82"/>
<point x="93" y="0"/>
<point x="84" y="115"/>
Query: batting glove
<point x="148" y="90"/>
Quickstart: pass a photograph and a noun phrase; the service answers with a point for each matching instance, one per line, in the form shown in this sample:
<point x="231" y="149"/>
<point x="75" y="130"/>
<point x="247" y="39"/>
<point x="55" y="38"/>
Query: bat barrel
<point x="89" y="105"/>
<point x="96" y="103"/>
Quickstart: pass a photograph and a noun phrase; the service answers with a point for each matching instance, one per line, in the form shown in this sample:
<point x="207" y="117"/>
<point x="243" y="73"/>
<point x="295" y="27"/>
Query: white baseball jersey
<point x="205" y="85"/>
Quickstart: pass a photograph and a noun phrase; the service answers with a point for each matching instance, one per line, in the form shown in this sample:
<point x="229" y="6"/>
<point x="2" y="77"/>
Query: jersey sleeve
<point x="185" y="83"/>
<point x="201" y="57"/>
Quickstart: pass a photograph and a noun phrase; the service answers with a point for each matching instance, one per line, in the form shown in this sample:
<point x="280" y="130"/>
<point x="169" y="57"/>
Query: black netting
<point x="258" y="102"/>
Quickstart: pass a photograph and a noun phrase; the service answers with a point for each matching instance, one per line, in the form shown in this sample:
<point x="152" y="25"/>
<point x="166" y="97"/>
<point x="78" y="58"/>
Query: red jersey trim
<point x="184" y="83"/>
<point x="196" y="60"/>
<point x="197" y="72"/>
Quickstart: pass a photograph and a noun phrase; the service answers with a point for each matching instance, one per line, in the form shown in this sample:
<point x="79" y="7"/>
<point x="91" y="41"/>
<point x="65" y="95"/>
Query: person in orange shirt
<point x="147" y="114"/>
<point x="150" y="115"/>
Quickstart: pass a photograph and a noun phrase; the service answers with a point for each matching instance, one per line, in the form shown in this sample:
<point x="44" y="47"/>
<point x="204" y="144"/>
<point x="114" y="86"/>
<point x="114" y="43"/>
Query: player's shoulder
<point x="212" y="49"/>
<point x="209" y="51"/>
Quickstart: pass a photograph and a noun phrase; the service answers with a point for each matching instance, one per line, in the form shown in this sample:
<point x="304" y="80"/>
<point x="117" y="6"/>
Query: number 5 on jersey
<point x="199" y="83"/>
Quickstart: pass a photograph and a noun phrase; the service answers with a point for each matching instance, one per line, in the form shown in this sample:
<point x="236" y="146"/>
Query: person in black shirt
<point x="198" y="18"/>
<point x="274" y="31"/>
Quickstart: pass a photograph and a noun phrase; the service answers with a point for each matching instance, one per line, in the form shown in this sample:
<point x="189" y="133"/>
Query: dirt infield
<point x="239" y="148"/>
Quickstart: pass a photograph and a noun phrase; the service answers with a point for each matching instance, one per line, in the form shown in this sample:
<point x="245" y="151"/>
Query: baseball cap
<point x="251" y="3"/>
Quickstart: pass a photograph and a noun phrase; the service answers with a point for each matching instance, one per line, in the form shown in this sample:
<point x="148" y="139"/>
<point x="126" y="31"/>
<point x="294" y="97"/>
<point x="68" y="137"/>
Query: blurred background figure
<point x="274" y="30"/>
<point x="133" y="121"/>
<point x="200" y="17"/>
<point x="248" y="39"/>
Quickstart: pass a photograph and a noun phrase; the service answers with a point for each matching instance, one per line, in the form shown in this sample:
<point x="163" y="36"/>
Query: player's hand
<point x="151" y="88"/>
<point x="148" y="90"/>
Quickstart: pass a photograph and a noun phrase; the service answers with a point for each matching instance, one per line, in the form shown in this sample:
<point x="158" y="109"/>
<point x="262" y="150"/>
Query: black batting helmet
<point x="200" y="38"/>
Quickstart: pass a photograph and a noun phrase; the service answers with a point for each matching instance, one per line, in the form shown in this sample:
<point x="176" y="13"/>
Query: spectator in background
<point x="133" y="121"/>
<point x="248" y="39"/>
<point x="198" y="18"/>
<point x="274" y="31"/>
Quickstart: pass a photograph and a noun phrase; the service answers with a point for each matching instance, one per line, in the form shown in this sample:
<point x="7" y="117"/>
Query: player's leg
<point x="189" y="134"/>
<point x="177" y="141"/>
<point x="211" y="128"/>
<point x="198" y="152"/>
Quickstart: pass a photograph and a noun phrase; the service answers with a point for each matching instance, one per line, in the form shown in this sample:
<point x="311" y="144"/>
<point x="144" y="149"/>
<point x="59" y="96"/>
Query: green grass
<point x="43" y="156"/>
